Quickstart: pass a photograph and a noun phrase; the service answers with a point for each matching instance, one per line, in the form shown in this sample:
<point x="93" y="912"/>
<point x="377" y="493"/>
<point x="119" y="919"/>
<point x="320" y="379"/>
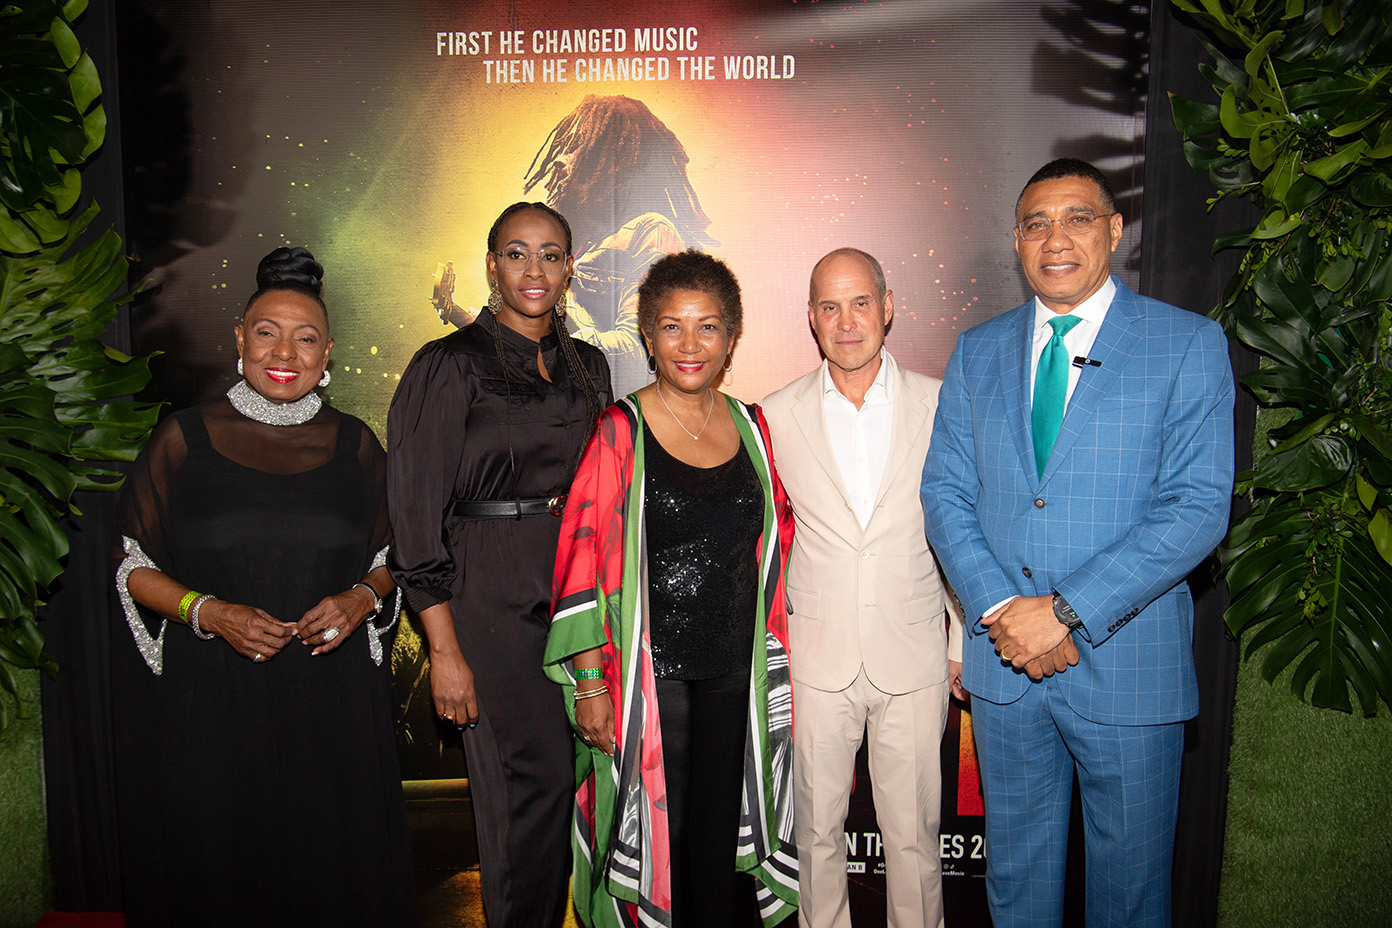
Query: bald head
<point x="873" y="265"/>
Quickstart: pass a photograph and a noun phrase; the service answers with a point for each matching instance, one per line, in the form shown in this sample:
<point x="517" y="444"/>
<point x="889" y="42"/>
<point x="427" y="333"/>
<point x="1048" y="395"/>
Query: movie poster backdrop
<point x="386" y="137"/>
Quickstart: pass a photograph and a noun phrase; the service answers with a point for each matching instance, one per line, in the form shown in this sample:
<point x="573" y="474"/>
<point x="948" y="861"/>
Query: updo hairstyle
<point x="293" y="269"/>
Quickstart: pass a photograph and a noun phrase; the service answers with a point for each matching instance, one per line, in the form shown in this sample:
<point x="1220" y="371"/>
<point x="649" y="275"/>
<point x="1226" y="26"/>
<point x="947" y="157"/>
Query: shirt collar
<point x="882" y="390"/>
<point x="1092" y="310"/>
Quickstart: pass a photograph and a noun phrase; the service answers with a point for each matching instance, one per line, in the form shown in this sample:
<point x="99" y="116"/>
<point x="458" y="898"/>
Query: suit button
<point x="1026" y="571"/>
<point x="1039" y="504"/>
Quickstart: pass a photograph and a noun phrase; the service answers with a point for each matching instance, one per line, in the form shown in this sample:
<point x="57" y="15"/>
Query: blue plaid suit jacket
<point x="1135" y="495"/>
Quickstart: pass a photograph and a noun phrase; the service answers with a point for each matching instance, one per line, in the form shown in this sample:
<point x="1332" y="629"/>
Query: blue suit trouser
<point x="1128" y="776"/>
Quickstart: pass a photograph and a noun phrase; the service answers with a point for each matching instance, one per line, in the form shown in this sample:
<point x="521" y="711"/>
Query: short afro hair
<point x="691" y="270"/>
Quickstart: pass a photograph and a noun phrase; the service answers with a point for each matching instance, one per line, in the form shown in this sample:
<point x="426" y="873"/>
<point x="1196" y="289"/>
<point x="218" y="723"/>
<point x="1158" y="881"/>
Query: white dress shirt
<point x="1079" y="339"/>
<point x="860" y="437"/>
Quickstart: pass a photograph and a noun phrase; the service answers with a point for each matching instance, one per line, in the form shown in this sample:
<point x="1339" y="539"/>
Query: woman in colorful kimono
<point x="669" y="634"/>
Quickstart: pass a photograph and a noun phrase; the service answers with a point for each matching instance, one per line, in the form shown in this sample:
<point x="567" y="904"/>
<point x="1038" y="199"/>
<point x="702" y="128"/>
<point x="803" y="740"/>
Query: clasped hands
<point x="255" y="633"/>
<point x="1028" y="636"/>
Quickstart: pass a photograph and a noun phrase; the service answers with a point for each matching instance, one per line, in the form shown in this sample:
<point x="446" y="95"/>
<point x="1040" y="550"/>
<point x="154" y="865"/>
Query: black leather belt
<point x="510" y="508"/>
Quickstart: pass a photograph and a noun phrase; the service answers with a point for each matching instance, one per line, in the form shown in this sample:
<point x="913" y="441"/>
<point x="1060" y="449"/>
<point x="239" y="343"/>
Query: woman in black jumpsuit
<point x="483" y="438"/>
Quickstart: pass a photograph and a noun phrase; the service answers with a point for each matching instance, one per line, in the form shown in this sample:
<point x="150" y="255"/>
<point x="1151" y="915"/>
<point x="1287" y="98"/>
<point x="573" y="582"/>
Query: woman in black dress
<point x="255" y="533"/>
<point x="485" y="431"/>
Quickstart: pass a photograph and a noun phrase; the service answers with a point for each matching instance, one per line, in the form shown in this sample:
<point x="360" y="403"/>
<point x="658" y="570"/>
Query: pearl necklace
<point x="255" y="406"/>
<point x="695" y="436"/>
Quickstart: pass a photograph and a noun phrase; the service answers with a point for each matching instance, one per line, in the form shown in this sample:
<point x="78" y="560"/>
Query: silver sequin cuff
<point x="388" y="619"/>
<point x="151" y="647"/>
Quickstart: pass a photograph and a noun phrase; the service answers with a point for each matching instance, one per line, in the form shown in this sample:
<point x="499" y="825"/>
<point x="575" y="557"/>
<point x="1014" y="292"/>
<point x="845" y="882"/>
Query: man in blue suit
<point x="1081" y="466"/>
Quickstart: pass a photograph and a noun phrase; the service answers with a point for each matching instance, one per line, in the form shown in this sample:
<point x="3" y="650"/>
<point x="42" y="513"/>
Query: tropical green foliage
<point x="60" y="387"/>
<point x="1303" y="129"/>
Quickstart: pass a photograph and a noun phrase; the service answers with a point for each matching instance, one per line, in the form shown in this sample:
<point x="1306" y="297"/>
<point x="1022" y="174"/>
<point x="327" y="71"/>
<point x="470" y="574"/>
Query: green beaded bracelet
<point x="184" y="604"/>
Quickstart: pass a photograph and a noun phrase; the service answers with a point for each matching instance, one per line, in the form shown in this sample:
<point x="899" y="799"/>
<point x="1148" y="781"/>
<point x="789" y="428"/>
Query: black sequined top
<point x="703" y="527"/>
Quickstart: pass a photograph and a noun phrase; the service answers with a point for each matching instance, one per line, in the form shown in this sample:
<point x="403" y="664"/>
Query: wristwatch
<point x="1065" y="614"/>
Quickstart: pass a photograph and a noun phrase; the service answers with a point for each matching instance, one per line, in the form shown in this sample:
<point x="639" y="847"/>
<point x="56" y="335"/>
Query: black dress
<point x="460" y="429"/>
<point x="272" y="790"/>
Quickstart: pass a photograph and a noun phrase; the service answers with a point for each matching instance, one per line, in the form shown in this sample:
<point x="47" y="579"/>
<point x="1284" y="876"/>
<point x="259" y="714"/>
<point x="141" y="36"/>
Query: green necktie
<point x="1051" y="390"/>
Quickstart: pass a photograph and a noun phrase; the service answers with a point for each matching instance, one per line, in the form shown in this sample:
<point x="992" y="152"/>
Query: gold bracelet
<point x="184" y="604"/>
<point x="591" y="694"/>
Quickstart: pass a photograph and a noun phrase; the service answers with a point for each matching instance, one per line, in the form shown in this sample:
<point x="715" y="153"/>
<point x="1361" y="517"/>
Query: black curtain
<point x="79" y="756"/>
<point x="1177" y="267"/>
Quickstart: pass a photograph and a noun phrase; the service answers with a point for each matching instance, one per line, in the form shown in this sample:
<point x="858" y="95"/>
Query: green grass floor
<point x="1309" y="834"/>
<point x="23" y="834"/>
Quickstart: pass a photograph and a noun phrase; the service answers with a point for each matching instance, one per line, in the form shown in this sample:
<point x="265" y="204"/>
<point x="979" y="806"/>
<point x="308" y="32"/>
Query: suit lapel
<point x="807" y="413"/>
<point x="910" y="419"/>
<point x="1014" y="374"/>
<point x="1115" y="343"/>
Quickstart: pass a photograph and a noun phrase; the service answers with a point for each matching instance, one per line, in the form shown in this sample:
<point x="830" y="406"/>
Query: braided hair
<point x="577" y="370"/>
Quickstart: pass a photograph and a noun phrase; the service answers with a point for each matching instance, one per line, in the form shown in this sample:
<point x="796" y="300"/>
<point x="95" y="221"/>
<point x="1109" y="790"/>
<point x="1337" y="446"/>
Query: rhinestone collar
<point x="255" y="406"/>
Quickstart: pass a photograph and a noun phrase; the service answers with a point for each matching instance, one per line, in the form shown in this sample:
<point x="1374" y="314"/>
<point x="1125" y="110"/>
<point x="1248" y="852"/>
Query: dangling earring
<point x="495" y="299"/>
<point x="324" y="381"/>
<point x="652" y="364"/>
<point x="240" y="372"/>
<point x="563" y="304"/>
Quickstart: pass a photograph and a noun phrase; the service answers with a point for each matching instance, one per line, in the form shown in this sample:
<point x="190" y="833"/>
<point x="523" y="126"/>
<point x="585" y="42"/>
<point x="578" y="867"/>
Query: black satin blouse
<point x="459" y="430"/>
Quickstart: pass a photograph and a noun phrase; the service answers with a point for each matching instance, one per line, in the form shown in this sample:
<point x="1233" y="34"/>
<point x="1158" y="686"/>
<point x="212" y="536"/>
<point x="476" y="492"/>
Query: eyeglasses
<point x="1036" y="228"/>
<point x="515" y="260"/>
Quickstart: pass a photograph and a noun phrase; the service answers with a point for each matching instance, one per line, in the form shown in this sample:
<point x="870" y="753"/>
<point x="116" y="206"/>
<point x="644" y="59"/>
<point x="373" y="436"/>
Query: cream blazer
<point x="871" y="597"/>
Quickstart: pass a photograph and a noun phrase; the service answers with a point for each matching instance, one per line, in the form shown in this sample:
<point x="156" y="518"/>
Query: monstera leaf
<point x="1301" y="125"/>
<point x="62" y="392"/>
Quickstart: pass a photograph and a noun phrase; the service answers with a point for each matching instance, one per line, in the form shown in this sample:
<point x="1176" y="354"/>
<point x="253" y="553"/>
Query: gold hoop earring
<point x="729" y="360"/>
<point x="495" y="299"/>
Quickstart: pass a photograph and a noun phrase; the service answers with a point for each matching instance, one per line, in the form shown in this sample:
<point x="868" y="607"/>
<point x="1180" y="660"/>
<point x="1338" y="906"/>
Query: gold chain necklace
<point x="695" y="436"/>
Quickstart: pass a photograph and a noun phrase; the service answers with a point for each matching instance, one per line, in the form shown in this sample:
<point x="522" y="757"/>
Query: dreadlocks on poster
<point x="618" y="174"/>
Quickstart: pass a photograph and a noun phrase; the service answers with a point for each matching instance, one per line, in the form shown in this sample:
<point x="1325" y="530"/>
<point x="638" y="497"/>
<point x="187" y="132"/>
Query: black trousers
<point x="704" y="724"/>
<point x="522" y="782"/>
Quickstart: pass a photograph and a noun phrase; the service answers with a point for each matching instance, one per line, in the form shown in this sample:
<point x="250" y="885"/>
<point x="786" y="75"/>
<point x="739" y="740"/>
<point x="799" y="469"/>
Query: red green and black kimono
<point x="620" y="834"/>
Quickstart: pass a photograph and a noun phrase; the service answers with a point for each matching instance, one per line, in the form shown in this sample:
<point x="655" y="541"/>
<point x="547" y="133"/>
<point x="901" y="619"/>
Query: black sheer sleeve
<point x="373" y="460"/>
<point x="144" y="505"/>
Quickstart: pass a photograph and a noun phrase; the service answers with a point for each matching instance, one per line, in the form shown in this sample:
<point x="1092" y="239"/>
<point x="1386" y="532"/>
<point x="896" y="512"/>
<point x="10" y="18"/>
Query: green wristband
<point x="587" y="673"/>
<point x="184" y="604"/>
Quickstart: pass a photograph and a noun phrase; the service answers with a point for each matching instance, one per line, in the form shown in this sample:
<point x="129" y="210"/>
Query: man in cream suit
<point x="869" y="630"/>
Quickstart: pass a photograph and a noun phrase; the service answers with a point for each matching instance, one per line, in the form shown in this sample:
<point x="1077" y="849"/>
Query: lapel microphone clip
<point x="1079" y="362"/>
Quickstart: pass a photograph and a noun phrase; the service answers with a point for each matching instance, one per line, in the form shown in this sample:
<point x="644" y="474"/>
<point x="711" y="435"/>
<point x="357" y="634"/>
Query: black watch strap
<point x="1065" y="614"/>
